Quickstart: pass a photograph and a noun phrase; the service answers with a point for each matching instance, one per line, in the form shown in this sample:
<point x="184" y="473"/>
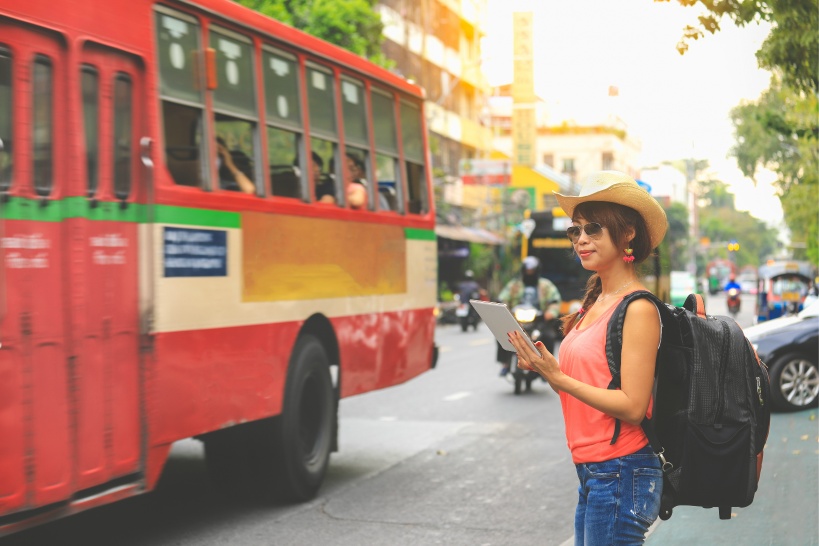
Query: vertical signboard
<point x="524" y="131"/>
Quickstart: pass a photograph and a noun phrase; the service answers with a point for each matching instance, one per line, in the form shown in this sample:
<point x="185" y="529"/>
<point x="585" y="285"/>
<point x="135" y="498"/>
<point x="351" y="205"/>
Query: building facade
<point x="436" y="43"/>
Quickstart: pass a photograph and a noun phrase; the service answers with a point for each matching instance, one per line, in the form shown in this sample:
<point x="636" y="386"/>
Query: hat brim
<point x="628" y="195"/>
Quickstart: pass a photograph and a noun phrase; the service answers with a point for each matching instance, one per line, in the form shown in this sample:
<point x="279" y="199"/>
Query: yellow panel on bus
<point x="296" y="258"/>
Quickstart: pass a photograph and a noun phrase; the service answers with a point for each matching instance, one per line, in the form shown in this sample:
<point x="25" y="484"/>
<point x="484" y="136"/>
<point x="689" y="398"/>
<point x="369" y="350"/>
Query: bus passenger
<point x="230" y="176"/>
<point x="325" y="188"/>
<point x="357" y="182"/>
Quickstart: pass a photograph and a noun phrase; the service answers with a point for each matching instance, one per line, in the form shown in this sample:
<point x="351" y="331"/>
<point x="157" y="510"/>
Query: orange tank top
<point x="582" y="355"/>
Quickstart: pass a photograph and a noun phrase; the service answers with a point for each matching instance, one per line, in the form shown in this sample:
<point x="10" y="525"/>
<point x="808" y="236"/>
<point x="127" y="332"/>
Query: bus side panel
<point x="376" y="342"/>
<point x="215" y="378"/>
<point x="50" y="419"/>
<point x="12" y="422"/>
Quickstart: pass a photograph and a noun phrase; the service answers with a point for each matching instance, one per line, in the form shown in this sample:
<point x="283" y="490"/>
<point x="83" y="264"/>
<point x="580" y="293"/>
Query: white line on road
<point x="457" y="396"/>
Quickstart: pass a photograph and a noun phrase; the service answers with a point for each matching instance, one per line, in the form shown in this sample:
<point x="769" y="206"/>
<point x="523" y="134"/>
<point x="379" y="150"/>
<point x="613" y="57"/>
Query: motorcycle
<point x="530" y="316"/>
<point x="466" y="314"/>
<point x="733" y="302"/>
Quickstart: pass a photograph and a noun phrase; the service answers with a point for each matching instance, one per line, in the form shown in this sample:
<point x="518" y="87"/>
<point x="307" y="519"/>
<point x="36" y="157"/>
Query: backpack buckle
<point x="666" y="465"/>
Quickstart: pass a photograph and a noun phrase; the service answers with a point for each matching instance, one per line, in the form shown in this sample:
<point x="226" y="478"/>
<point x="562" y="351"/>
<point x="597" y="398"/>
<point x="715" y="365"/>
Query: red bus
<point x="180" y="257"/>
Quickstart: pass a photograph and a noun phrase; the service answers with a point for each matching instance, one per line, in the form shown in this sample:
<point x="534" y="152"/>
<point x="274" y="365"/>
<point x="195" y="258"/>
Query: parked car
<point x="790" y="348"/>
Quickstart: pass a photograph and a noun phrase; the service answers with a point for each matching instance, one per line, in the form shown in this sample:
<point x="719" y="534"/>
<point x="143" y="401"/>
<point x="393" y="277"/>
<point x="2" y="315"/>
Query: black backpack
<point x="711" y="406"/>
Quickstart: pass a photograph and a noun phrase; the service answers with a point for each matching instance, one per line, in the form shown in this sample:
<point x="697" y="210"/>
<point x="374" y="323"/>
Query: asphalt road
<point x="452" y="457"/>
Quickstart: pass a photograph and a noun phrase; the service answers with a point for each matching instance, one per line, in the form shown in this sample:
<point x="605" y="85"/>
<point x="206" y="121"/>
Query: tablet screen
<point x="500" y="321"/>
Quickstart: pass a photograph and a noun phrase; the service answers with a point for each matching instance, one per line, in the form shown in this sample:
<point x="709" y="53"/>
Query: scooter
<point x="733" y="302"/>
<point x="467" y="316"/>
<point x="529" y="315"/>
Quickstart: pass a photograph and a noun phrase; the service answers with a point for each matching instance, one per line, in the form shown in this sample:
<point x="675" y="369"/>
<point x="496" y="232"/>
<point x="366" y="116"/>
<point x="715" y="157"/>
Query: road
<point x="452" y="457"/>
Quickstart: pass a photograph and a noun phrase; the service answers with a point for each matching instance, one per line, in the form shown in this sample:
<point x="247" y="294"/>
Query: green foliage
<point x="723" y="224"/>
<point x="780" y="131"/>
<point x="791" y="47"/>
<point x="481" y="260"/>
<point x="351" y="24"/>
<point x="677" y="236"/>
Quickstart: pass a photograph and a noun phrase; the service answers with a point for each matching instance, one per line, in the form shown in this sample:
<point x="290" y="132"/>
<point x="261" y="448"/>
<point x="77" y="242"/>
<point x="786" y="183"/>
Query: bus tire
<point x="296" y="446"/>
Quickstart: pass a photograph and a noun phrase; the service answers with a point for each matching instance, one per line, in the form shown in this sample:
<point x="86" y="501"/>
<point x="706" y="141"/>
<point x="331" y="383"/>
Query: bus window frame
<point x="359" y="146"/>
<point x="199" y="31"/>
<point x="397" y="155"/>
<point x="336" y="140"/>
<point x="407" y="161"/>
<point x="8" y="148"/>
<point x="300" y="130"/>
<point x="211" y="151"/>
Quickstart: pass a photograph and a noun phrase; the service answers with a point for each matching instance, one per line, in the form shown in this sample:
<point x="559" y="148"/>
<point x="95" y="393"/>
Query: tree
<point x="791" y="46"/>
<point x="780" y="130"/>
<point x="677" y="236"/>
<point x="351" y="24"/>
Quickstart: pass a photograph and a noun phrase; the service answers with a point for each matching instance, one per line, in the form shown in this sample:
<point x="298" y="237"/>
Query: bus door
<point x="104" y="292"/>
<point x="35" y="418"/>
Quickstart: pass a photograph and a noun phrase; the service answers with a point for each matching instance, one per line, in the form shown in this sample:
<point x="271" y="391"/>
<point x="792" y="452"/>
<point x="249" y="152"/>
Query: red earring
<point x="628" y="258"/>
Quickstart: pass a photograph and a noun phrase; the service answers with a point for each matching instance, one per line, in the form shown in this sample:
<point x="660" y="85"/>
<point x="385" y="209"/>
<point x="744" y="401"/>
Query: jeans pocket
<point x="648" y="488"/>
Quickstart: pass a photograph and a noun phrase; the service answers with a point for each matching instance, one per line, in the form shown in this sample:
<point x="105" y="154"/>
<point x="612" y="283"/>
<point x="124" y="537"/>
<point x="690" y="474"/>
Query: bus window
<point x="284" y="129"/>
<point x="322" y="107"/>
<point x="386" y="148"/>
<point x="356" y="137"/>
<point x="5" y="120"/>
<point x="323" y="170"/>
<point x="413" y="140"/>
<point x="181" y="96"/>
<point x="89" y="85"/>
<point x="234" y="104"/>
<point x="43" y="125"/>
<point x="123" y="136"/>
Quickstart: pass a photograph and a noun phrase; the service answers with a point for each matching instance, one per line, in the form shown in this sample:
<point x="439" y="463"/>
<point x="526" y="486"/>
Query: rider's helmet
<point x="468" y="274"/>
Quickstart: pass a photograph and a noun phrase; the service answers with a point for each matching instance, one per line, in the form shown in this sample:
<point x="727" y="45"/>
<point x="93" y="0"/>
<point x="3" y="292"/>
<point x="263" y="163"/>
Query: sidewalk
<point x="785" y="510"/>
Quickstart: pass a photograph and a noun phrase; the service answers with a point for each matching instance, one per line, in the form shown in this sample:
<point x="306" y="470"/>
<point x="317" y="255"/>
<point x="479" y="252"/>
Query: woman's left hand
<point x="542" y="362"/>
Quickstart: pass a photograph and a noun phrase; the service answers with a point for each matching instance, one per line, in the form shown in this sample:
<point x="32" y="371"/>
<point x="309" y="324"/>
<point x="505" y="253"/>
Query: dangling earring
<point x="628" y="258"/>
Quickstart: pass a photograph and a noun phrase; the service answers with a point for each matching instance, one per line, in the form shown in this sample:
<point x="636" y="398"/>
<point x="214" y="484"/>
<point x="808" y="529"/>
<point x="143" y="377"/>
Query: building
<point x="436" y="43"/>
<point x="569" y="148"/>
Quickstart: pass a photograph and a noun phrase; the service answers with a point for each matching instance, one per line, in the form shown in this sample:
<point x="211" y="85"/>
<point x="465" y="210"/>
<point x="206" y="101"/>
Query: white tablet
<point x="501" y="321"/>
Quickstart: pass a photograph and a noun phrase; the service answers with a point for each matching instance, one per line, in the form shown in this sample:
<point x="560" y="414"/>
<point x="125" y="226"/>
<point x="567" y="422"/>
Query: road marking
<point x="457" y="396"/>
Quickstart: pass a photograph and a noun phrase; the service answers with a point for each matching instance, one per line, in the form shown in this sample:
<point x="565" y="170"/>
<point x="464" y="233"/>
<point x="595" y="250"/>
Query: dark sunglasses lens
<point x="592" y="230"/>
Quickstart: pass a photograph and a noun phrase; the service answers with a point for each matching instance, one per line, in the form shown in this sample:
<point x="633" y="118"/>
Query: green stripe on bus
<point x="420" y="234"/>
<point x="81" y="207"/>
<point x="165" y="214"/>
<point x="21" y="208"/>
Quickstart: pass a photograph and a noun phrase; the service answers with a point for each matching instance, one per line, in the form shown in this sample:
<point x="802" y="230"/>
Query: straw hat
<point x="616" y="187"/>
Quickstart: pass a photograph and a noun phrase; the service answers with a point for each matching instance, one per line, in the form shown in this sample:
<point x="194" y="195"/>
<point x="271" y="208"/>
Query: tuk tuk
<point x="781" y="289"/>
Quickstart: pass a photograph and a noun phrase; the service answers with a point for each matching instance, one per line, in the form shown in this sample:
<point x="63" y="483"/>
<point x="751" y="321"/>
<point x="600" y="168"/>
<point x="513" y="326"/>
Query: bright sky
<point x="677" y="105"/>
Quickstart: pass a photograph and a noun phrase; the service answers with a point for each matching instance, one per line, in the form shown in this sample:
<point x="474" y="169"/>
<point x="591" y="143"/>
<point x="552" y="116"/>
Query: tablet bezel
<point x="501" y="321"/>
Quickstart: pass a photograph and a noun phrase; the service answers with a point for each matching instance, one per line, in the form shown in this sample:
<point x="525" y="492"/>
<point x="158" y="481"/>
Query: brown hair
<point x="618" y="220"/>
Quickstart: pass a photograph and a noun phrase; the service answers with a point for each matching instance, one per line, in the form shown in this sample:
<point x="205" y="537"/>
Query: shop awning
<point x="472" y="235"/>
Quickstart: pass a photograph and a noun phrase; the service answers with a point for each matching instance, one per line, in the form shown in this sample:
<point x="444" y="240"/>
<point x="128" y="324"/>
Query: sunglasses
<point x="592" y="229"/>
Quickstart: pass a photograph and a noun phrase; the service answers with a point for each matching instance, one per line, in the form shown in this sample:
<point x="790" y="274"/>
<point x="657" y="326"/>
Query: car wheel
<point x="794" y="382"/>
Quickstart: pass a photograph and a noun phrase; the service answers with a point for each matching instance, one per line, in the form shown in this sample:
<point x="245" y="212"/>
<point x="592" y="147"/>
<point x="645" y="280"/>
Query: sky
<point x="678" y="106"/>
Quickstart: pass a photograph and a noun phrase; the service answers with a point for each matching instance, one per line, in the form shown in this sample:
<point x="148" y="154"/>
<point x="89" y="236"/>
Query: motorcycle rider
<point x="732" y="283"/>
<point x="548" y="296"/>
<point x="469" y="289"/>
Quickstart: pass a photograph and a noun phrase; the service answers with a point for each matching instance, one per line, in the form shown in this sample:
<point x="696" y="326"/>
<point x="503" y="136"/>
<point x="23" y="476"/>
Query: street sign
<point x="527" y="226"/>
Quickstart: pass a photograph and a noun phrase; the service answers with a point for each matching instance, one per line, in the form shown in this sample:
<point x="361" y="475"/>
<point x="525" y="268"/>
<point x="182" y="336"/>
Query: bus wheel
<point x="295" y="448"/>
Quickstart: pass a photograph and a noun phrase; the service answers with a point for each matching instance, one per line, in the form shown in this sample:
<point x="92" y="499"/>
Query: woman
<point x="615" y="226"/>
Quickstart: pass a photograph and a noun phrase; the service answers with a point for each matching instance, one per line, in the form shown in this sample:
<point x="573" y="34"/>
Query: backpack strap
<point x="695" y="304"/>
<point x="614" y="348"/>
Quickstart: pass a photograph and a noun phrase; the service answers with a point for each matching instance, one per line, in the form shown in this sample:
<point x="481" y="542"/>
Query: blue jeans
<point x="618" y="500"/>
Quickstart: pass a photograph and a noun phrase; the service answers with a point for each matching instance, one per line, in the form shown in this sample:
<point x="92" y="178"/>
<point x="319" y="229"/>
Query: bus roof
<point x="125" y="24"/>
